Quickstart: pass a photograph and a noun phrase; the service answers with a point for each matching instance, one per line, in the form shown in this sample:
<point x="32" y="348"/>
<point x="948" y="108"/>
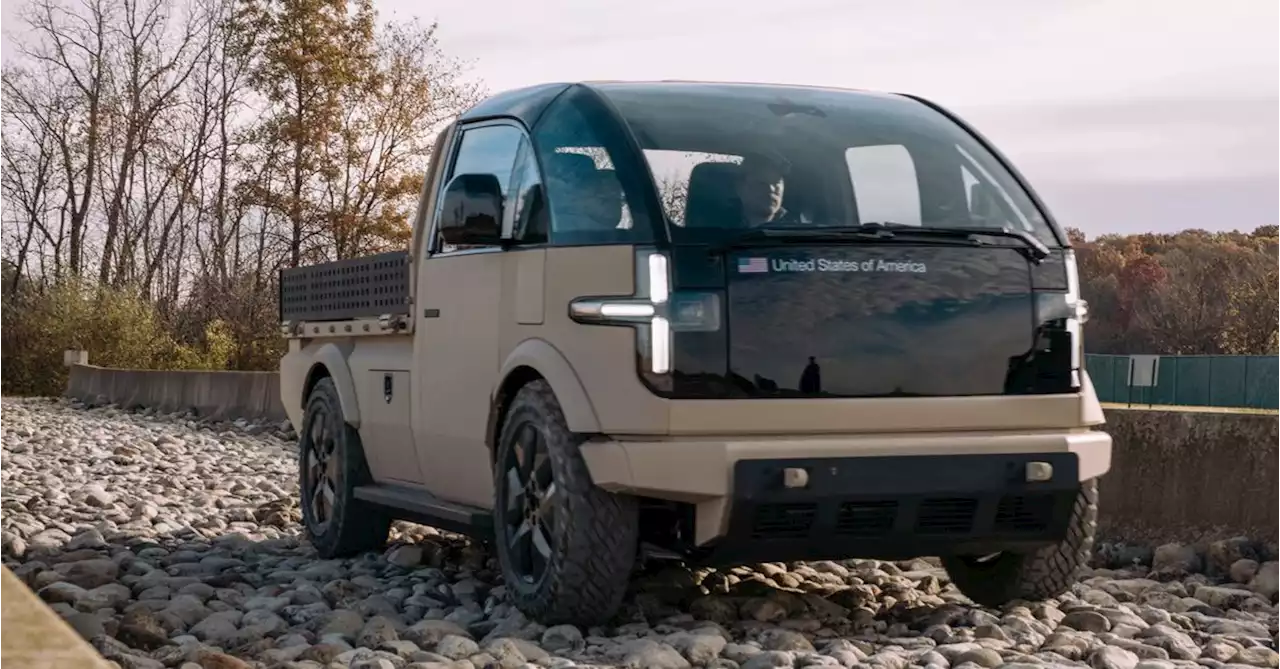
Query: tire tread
<point x="598" y="530"/>
<point x="1039" y="575"/>
<point x="357" y="526"/>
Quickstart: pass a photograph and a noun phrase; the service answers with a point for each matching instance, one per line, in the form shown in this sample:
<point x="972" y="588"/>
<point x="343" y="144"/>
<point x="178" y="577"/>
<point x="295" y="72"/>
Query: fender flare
<point x="335" y="361"/>
<point x="542" y="357"/>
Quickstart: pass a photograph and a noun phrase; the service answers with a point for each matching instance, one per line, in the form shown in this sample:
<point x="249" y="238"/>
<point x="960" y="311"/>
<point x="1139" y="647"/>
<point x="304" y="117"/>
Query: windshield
<point x="729" y="157"/>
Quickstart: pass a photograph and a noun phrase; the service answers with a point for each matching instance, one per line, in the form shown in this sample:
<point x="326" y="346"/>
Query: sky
<point x="1125" y="115"/>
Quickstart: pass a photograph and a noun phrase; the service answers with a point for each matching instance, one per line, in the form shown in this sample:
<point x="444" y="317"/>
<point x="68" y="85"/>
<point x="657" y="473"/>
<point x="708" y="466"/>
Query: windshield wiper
<point x="1034" y="249"/>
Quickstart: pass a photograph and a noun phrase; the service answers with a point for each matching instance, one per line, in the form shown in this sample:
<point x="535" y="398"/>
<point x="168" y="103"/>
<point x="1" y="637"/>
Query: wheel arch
<point x="537" y="359"/>
<point x="329" y="362"/>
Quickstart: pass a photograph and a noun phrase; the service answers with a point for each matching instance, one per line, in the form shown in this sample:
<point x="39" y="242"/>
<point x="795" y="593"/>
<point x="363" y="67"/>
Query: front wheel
<point x="566" y="547"/>
<point x="1042" y="574"/>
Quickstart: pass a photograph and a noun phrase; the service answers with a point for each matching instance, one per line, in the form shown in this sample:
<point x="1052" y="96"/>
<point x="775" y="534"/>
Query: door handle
<point x="431" y="313"/>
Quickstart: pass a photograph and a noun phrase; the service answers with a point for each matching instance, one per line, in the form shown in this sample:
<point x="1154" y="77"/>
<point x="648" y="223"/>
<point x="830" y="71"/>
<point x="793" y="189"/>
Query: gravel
<point x="173" y="542"/>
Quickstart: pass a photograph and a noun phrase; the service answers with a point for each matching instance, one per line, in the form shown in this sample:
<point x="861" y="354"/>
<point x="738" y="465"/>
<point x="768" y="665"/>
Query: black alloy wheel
<point x="566" y="547"/>
<point x="529" y="522"/>
<point x="331" y="465"/>
<point x="323" y="474"/>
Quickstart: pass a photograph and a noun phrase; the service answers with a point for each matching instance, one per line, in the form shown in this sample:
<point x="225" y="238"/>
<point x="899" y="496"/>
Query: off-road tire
<point x="594" y="542"/>
<point x="1039" y="575"/>
<point x="355" y="526"/>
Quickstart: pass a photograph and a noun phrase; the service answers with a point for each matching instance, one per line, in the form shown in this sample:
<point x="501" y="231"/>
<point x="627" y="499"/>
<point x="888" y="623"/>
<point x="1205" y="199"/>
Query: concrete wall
<point x="1189" y="476"/>
<point x="212" y="394"/>
<point x="1175" y="476"/>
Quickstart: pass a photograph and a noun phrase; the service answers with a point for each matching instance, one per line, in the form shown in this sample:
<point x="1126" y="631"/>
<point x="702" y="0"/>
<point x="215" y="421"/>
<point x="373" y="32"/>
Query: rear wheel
<point x="1043" y="574"/>
<point x="330" y="465"/>
<point x="566" y="547"/>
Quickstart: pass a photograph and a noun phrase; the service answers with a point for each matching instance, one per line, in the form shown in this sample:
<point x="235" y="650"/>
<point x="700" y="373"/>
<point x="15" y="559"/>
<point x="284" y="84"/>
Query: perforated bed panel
<point x="365" y="287"/>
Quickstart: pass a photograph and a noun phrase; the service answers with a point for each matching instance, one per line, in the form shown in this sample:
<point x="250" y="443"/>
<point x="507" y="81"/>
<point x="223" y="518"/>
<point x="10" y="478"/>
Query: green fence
<point x="1248" y="381"/>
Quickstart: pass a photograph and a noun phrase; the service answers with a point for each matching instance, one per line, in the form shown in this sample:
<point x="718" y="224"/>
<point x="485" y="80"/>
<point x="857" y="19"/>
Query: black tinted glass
<point x="726" y="157"/>
<point x="488" y="150"/>
<point x="592" y="192"/>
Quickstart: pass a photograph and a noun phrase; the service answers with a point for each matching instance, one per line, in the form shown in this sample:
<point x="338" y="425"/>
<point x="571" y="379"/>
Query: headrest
<point x="570" y="166"/>
<point x="713" y="201"/>
<point x="583" y="197"/>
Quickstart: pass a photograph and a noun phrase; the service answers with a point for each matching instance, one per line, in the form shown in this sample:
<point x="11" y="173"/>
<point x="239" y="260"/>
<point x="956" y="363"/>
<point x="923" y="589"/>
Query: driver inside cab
<point x="759" y="188"/>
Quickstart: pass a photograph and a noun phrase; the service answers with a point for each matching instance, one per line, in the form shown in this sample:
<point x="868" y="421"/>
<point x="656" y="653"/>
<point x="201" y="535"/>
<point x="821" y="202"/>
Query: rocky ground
<point x="168" y="542"/>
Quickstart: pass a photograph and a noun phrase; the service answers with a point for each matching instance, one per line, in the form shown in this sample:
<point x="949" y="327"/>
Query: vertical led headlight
<point x="1077" y="313"/>
<point x="655" y="312"/>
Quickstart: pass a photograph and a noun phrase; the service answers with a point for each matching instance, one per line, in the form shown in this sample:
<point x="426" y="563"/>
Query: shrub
<point x="117" y="327"/>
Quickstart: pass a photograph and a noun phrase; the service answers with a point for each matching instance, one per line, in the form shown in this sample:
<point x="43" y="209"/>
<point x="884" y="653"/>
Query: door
<point x="457" y="337"/>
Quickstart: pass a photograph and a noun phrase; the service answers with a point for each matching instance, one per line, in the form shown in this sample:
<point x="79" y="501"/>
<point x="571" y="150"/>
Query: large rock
<point x="650" y="654"/>
<point x="1173" y="561"/>
<point x="1112" y="657"/>
<point x="1267" y="581"/>
<point x="1223" y="597"/>
<point x="1222" y="554"/>
<point x="88" y="574"/>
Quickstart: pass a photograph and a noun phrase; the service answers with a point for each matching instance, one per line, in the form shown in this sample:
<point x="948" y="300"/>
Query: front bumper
<point x="866" y="495"/>
<point x="896" y="507"/>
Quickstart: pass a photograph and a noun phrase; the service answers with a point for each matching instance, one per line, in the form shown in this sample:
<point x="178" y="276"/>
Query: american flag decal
<point x="753" y="265"/>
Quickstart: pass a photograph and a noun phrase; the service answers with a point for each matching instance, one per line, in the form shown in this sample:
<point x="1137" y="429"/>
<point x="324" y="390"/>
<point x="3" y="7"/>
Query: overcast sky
<point x="1126" y="115"/>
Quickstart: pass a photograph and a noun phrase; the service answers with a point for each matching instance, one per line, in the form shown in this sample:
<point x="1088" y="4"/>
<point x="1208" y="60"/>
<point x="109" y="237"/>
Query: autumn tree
<point x="1193" y="292"/>
<point x="379" y="152"/>
<point x="164" y="158"/>
<point x="309" y="55"/>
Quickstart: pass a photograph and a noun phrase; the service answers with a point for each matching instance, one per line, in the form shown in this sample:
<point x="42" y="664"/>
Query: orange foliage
<point x="1191" y="292"/>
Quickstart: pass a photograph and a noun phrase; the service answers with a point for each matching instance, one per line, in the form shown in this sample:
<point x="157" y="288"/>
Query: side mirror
<point x="471" y="213"/>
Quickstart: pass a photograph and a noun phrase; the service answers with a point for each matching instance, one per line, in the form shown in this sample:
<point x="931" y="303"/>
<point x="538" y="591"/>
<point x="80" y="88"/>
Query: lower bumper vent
<point x="1014" y="515"/>
<point x="784" y="521"/>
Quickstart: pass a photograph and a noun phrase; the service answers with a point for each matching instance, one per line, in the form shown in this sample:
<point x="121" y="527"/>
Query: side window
<point x="586" y="198"/>
<point x="884" y="184"/>
<point x="983" y="209"/>
<point x="488" y="149"/>
<point x="990" y="204"/>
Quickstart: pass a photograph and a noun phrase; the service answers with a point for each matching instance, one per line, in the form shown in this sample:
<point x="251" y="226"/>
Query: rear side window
<point x="672" y="173"/>
<point x="885" y="186"/>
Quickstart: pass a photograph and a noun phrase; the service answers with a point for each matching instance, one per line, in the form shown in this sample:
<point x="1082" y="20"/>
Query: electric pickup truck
<point x="721" y="323"/>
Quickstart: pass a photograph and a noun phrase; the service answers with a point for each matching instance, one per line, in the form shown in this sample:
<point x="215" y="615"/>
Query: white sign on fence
<point x="1144" y="370"/>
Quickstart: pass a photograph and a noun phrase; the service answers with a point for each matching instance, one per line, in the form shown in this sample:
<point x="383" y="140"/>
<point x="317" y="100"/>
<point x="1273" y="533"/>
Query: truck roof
<point x="527" y="103"/>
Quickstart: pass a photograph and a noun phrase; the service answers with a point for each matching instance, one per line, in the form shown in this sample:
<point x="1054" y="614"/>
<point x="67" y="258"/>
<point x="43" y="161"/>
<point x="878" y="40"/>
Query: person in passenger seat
<point x="759" y="188"/>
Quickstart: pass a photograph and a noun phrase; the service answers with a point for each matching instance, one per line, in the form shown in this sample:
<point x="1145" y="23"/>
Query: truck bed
<point x="368" y="287"/>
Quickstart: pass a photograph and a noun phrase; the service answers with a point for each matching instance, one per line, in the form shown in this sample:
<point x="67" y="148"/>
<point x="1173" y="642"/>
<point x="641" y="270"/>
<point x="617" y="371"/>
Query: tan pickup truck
<point x="724" y="323"/>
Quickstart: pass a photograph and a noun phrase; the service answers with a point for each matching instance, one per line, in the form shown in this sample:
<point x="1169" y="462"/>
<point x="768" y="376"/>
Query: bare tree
<point x="69" y="46"/>
<point x="156" y="59"/>
<point x="30" y="152"/>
